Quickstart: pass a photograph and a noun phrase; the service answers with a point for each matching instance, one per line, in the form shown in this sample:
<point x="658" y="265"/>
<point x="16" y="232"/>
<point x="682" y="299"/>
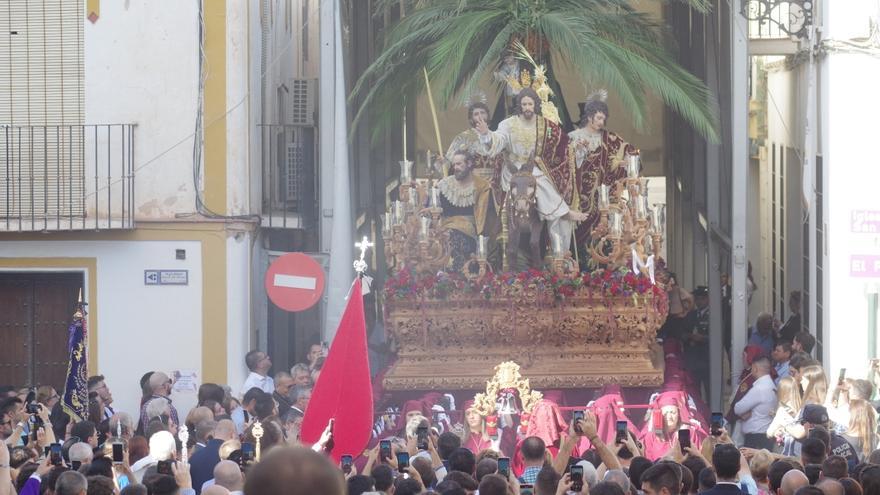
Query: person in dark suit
<point x="726" y="461"/>
<point x="793" y="324"/>
<point x="201" y="464"/>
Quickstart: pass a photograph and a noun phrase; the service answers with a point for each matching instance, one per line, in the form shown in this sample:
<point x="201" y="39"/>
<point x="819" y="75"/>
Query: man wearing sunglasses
<point x="160" y="384"/>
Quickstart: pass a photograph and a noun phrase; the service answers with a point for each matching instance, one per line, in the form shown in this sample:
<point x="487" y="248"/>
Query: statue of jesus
<point x="529" y="135"/>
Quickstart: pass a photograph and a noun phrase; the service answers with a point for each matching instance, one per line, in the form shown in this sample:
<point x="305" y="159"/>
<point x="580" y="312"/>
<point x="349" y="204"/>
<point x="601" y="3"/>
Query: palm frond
<point x="605" y="42"/>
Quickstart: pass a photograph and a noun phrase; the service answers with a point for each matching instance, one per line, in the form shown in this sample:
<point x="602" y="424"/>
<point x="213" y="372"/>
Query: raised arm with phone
<point x="586" y="427"/>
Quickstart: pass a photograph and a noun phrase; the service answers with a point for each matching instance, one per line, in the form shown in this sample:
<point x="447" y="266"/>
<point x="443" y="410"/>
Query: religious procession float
<point x="462" y="296"/>
<point x="526" y="254"/>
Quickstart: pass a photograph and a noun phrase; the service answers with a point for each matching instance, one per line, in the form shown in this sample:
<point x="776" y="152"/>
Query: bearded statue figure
<point x="484" y="146"/>
<point x="468" y="210"/>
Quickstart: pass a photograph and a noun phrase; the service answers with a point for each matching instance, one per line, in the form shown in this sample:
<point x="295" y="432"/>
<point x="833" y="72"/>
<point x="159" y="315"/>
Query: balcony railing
<point x="66" y="177"/>
<point x="289" y="175"/>
<point x="778" y="19"/>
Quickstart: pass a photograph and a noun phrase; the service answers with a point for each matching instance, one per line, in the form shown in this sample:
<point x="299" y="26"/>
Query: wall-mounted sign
<point x="166" y="277"/>
<point x="864" y="265"/>
<point x="865" y="221"/>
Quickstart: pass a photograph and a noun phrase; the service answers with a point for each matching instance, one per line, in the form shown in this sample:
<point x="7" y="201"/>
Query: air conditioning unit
<point x="293" y="170"/>
<point x="303" y="101"/>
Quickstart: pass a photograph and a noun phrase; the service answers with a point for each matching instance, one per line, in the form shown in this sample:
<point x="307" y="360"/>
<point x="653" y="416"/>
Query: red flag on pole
<point x="344" y="391"/>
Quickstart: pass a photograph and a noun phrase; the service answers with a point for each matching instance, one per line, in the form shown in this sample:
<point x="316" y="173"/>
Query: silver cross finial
<point x="360" y="265"/>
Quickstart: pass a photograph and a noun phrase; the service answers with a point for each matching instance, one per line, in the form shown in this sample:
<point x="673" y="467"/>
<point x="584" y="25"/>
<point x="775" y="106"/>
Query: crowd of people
<point x="789" y="430"/>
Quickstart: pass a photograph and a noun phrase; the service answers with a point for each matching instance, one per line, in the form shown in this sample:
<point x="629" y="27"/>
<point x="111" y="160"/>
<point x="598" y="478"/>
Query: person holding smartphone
<point x="567" y="485"/>
<point x="578" y="429"/>
<point x="674" y="413"/>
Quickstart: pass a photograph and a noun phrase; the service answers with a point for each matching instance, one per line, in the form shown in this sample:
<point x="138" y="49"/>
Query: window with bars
<point x="41" y="108"/>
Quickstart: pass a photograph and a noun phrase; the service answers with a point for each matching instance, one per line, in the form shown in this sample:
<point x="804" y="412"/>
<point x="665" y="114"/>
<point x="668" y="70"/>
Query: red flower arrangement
<point x="408" y="285"/>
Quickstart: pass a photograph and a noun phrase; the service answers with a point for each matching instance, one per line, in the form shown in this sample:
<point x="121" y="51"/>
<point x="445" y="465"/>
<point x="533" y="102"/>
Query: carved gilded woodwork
<point x="577" y="342"/>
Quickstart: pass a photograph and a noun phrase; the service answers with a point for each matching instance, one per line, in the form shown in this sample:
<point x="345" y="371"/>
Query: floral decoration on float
<point x="598" y="285"/>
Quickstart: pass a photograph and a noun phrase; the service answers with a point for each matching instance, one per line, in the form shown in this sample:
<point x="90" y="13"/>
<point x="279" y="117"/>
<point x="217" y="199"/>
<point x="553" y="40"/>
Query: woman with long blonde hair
<point x="814" y="384"/>
<point x="788" y="394"/>
<point x="861" y="432"/>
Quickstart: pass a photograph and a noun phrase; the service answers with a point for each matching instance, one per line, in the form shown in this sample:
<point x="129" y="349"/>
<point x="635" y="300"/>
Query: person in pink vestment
<point x="475" y="438"/>
<point x="676" y="414"/>
<point x="608" y="410"/>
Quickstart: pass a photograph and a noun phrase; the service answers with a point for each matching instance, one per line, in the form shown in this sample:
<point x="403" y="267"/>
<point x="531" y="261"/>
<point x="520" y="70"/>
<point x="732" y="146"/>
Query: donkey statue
<point x="522" y="217"/>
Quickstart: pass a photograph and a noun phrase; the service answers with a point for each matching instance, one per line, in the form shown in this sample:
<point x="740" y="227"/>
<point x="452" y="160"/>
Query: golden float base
<point x="579" y="342"/>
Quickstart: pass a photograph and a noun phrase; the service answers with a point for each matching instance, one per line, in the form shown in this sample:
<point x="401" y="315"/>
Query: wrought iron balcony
<point x="66" y="177"/>
<point x="778" y="19"/>
<point x="289" y="176"/>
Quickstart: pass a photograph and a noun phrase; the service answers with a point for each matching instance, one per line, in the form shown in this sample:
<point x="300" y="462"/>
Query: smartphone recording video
<point x="422" y="437"/>
<point x="385" y="450"/>
<point x="504" y="467"/>
<point x="578" y="416"/>
<point x="118" y="453"/>
<point x="402" y="461"/>
<point x="684" y="439"/>
<point x="717" y="423"/>
<point x="620" y="436"/>
<point x="248" y="454"/>
<point x="55" y="454"/>
<point x="577" y="478"/>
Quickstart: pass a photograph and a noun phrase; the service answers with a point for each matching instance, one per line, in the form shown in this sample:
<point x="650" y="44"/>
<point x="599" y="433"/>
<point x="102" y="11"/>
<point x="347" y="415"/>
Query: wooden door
<point x="16" y="312"/>
<point x="38" y="308"/>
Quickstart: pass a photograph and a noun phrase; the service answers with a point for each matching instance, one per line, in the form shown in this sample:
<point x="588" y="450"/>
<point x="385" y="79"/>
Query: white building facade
<point x="159" y="171"/>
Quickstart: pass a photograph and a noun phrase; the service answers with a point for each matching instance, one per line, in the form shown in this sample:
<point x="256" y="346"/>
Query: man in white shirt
<point x="757" y="407"/>
<point x="259" y="364"/>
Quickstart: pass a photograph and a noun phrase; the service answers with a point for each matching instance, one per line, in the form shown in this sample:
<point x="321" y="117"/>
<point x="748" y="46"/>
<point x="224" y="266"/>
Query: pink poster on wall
<point x="864" y="265"/>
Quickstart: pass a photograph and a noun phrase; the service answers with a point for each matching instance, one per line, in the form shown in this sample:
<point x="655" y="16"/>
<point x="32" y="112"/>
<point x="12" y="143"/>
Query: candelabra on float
<point x="413" y="235"/>
<point x="627" y="226"/>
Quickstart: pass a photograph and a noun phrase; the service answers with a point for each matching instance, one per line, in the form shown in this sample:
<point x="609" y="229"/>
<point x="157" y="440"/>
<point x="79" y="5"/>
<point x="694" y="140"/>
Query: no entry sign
<point x="295" y="282"/>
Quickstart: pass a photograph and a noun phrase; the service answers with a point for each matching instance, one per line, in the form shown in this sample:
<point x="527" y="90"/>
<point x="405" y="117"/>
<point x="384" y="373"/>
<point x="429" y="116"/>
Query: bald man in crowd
<point x="228" y="475"/>
<point x="215" y="490"/>
<point x="830" y="486"/>
<point x="792" y="481"/>
<point x="202" y="463"/>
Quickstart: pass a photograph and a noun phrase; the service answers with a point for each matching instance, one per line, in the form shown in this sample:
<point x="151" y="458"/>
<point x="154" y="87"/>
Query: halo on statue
<point x="475" y="96"/>
<point x="598" y="95"/>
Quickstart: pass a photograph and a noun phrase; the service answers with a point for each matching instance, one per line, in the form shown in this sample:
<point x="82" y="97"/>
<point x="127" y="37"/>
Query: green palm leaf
<point x="605" y="42"/>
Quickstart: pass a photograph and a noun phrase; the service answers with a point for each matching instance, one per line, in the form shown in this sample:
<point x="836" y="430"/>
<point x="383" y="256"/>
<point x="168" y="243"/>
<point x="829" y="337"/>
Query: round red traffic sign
<point x="295" y="282"/>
